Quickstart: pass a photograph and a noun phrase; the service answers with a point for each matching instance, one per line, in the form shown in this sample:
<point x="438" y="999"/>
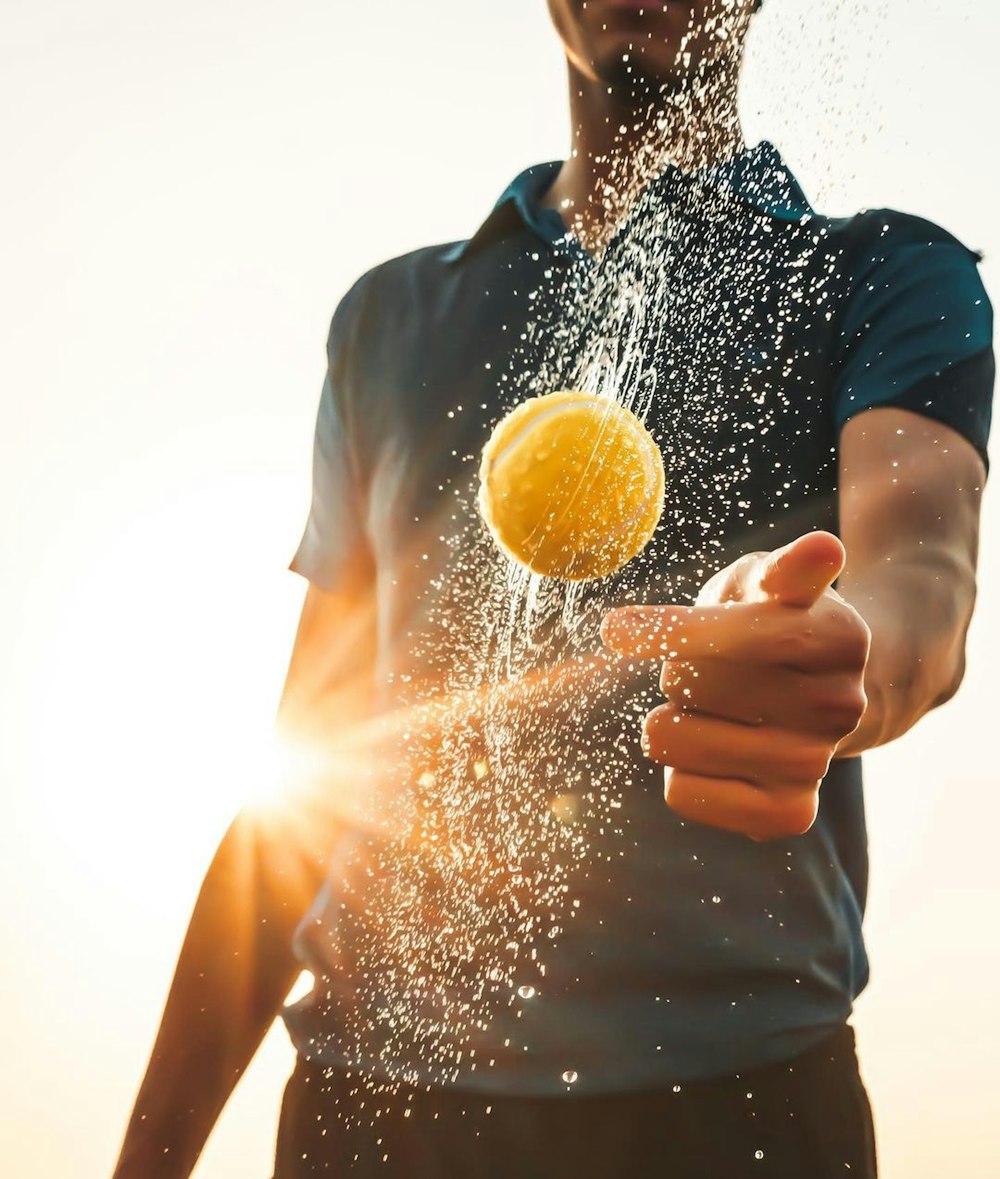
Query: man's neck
<point x="621" y="142"/>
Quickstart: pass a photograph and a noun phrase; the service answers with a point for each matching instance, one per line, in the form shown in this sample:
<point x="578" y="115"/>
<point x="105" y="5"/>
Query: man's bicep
<point x="910" y="489"/>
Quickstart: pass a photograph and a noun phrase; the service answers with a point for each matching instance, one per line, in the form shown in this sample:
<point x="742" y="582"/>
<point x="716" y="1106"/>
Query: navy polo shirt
<point x="621" y="947"/>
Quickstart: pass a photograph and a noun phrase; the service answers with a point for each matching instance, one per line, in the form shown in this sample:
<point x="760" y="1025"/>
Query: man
<point x="807" y="379"/>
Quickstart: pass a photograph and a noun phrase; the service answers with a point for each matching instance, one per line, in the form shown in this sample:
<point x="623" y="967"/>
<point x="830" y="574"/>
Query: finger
<point x="829" y="705"/>
<point x="756" y="633"/>
<point x="734" y="805"/>
<point x="738" y="630"/>
<point x="715" y="688"/>
<point x="716" y="748"/>
<point x="797" y="574"/>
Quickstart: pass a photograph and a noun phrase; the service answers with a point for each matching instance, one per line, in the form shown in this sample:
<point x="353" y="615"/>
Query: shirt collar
<point x="757" y="175"/>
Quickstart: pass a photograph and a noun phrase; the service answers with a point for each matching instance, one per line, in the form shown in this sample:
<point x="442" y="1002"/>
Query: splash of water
<point x="492" y="808"/>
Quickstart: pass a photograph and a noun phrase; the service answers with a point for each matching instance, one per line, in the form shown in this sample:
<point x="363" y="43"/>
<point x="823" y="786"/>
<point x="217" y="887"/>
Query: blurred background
<point x="188" y="189"/>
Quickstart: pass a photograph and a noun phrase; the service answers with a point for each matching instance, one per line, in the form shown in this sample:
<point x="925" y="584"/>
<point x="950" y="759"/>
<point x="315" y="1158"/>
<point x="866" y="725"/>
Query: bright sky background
<point x="188" y="189"/>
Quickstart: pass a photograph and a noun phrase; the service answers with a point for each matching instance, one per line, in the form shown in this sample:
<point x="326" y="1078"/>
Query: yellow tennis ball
<point x="571" y="485"/>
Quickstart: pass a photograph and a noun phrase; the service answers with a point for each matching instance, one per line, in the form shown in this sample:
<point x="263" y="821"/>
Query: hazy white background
<point x="187" y="190"/>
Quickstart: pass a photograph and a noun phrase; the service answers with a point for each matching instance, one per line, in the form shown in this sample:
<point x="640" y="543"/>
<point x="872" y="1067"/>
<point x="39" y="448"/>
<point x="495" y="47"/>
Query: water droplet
<point x="526" y="991"/>
<point x="758" y="1154"/>
<point x="570" y="1076"/>
<point x="565" y="807"/>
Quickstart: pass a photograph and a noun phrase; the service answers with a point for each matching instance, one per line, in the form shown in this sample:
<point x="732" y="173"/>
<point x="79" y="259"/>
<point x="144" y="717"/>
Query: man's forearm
<point x="234" y="971"/>
<point x="918" y="609"/>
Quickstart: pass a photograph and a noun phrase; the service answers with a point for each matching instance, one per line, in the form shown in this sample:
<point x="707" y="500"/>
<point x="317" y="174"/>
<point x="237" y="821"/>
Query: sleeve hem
<point x="944" y="397"/>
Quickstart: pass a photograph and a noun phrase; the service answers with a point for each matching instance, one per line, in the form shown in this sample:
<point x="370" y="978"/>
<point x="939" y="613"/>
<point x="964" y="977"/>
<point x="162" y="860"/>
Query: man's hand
<point x="764" y="676"/>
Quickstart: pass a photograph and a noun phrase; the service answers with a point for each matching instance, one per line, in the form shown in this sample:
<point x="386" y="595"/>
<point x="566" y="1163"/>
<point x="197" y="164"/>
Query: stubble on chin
<point x="633" y="85"/>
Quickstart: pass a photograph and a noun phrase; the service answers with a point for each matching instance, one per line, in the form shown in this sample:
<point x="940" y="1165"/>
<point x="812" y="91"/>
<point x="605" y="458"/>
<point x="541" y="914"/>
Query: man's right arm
<point x="236" y="965"/>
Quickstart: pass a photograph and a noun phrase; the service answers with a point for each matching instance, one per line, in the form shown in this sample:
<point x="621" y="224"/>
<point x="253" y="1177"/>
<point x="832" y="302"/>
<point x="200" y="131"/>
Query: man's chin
<point x="639" y="81"/>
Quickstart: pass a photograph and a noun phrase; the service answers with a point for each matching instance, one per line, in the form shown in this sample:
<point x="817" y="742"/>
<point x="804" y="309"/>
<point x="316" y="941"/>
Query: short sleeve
<point x="333" y="552"/>
<point x="916" y="332"/>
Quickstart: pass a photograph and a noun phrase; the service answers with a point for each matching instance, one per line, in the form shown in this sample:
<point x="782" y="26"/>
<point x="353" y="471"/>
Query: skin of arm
<point x="236" y="965"/>
<point x="768" y="676"/>
<point x="913" y="544"/>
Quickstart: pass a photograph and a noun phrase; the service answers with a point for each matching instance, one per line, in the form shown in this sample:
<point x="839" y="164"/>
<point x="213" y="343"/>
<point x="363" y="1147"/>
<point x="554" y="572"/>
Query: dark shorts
<point x="806" y="1118"/>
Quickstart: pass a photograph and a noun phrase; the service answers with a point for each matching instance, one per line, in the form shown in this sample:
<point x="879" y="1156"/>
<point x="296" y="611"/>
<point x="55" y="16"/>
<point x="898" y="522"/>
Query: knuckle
<point x="850" y="637"/>
<point x="856" y="645"/>
<point x="838" y="710"/>
<point x="840" y="641"/>
<point x="674" y="791"/>
<point x="795" y="646"/>
<point x="658" y="731"/>
<point x="676" y="678"/>
<point x="852" y="708"/>
<point x="806" y="763"/>
<point x="788" y="815"/>
<point x="684" y="797"/>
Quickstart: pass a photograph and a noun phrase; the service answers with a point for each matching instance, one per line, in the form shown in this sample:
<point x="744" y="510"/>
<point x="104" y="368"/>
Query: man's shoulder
<point x="421" y="261"/>
<point x="872" y="236"/>
<point x="391" y="288"/>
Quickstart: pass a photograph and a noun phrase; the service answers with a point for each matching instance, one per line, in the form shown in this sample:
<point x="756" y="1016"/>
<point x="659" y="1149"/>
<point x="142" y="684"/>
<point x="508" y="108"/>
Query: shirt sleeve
<point x="917" y="329"/>
<point x="334" y="553"/>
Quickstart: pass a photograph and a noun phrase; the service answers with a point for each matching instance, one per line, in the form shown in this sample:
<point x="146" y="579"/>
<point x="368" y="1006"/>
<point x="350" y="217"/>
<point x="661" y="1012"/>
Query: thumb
<point x="798" y="574"/>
